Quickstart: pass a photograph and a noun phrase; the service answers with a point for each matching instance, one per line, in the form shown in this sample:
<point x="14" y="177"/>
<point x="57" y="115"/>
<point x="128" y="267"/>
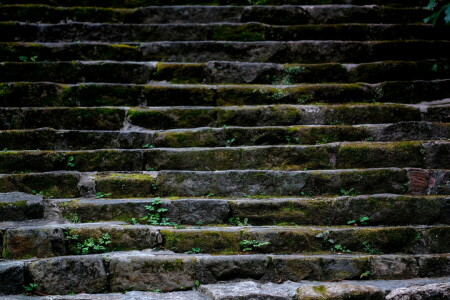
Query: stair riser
<point x="345" y="156"/>
<point x="229" y="183"/>
<point x="276" y="52"/>
<point x="167" y="273"/>
<point x="50" y="94"/>
<point x="139" y="3"/>
<point x="171" y="118"/>
<point x="282" y="15"/>
<point x="215" y="32"/>
<point x="50" y="139"/>
<point x="398" y="210"/>
<point x="52" y="241"/>
<point x="214" y="73"/>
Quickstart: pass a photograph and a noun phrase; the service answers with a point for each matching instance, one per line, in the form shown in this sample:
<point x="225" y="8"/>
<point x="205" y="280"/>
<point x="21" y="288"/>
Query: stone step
<point x="278" y="15"/>
<point x="148" y="271"/>
<point x="18" y="206"/>
<point x="33" y="32"/>
<point x="44" y="94"/>
<point x="51" y="139"/>
<point x="275" y="51"/>
<point x="159" y="118"/>
<point x="249" y="289"/>
<point x="381" y="209"/>
<point x="71" y="239"/>
<point x="140" y="3"/>
<point x="236" y="183"/>
<point x="223" y="72"/>
<point x="418" y="154"/>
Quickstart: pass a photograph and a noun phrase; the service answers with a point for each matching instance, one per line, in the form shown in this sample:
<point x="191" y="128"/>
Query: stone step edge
<point x="151" y="271"/>
<point x="65" y="184"/>
<point x="339" y="155"/>
<point x="263" y="73"/>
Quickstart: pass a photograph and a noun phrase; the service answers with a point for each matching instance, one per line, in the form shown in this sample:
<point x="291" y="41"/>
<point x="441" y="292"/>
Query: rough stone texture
<point x="339" y="291"/>
<point x="18" y="206"/>
<point x="245" y="290"/>
<point x="12" y="277"/>
<point x="143" y="273"/>
<point x="62" y="275"/>
<point x="439" y="291"/>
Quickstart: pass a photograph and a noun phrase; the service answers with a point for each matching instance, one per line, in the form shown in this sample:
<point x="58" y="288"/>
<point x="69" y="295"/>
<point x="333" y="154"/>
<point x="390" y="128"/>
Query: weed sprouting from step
<point x="229" y="142"/>
<point x="237" y="221"/>
<point x="369" y="249"/>
<point x="365" y="275"/>
<point x="351" y="192"/>
<point x="89" y="245"/>
<point x="73" y="218"/>
<point x="100" y="195"/>
<point x="252" y="245"/>
<point x="70" y="162"/>
<point x="148" y="146"/>
<point x="330" y="244"/>
<point x="363" y="221"/>
<point x="323" y="140"/>
<point x="30" y="289"/>
<point x="257" y="2"/>
<point x="210" y="195"/>
<point x="440" y="12"/>
<point x="194" y="251"/>
<point x="27" y="59"/>
<point x="292" y="140"/>
<point x="40" y="193"/>
<point x="154" y="215"/>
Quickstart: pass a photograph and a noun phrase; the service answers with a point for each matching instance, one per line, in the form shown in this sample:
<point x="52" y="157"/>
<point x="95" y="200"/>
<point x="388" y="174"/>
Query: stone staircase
<point x="223" y="149"/>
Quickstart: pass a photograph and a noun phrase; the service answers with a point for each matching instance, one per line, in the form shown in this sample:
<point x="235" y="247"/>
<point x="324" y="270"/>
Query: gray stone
<point x="63" y="275"/>
<point x="17" y="206"/>
<point x="394" y="267"/>
<point x="151" y="272"/>
<point x="338" y="292"/>
<point x="245" y="290"/>
<point x="11" y="277"/>
<point x="439" y="291"/>
<point x="206" y="211"/>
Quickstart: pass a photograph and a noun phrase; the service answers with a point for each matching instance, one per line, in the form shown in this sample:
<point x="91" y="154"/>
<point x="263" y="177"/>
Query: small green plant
<point x="252" y="245"/>
<point x="369" y="139"/>
<point x="156" y="291"/>
<point x="304" y="99"/>
<point x="89" y="245"/>
<point x="134" y="221"/>
<point x="237" y="221"/>
<point x="154" y="214"/>
<point x="5" y="150"/>
<point x="70" y="162"/>
<point x="350" y="192"/>
<point x="100" y="195"/>
<point x="328" y="242"/>
<point x="30" y="288"/>
<point x="194" y="251"/>
<point x="256" y="2"/>
<point x="440" y="12"/>
<point x="210" y="195"/>
<point x="323" y="140"/>
<point x="148" y="146"/>
<point x="229" y="142"/>
<point x="150" y="169"/>
<point x="359" y="222"/>
<point x="40" y="193"/>
<point x="26" y="59"/>
<point x="292" y="140"/>
<point x="180" y="226"/>
<point x="369" y="249"/>
<point x="73" y="218"/>
<point x="305" y="194"/>
<point x="365" y="275"/>
<point x="196" y="285"/>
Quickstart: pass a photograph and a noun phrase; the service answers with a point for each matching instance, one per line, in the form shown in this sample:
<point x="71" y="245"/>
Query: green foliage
<point x="440" y="12"/>
<point x="292" y="140"/>
<point x="365" y="274"/>
<point x="359" y="222"/>
<point x="350" y="192"/>
<point x="70" y="162"/>
<point x="194" y="251"/>
<point x="30" y="288"/>
<point x="229" y="142"/>
<point x="40" y="193"/>
<point x="73" y="218"/>
<point x="256" y="2"/>
<point x="99" y="195"/>
<point x="252" y="245"/>
<point x="27" y="59"/>
<point x="148" y="146"/>
<point x="328" y="242"/>
<point x="369" y="249"/>
<point x="89" y="245"/>
<point x="238" y="222"/>
<point x="154" y="215"/>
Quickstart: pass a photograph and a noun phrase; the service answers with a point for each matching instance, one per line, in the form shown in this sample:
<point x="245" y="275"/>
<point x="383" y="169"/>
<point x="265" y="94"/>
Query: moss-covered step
<point x="275" y="52"/>
<point x="282" y="15"/>
<point x="148" y="272"/>
<point x="222" y="72"/>
<point x="60" y="240"/>
<point x="235" y="183"/>
<point x="42" y="94"/>
<point x="418" y="154"/>
<point x="34" y="32"/>
<point x="18" y="206"/>
<point x="51" y="139"/>
<point x="64" y="239"/>
<point x="382" y="209"/>
<point x="138" y="3"/>
<point x="192" y="117"/>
